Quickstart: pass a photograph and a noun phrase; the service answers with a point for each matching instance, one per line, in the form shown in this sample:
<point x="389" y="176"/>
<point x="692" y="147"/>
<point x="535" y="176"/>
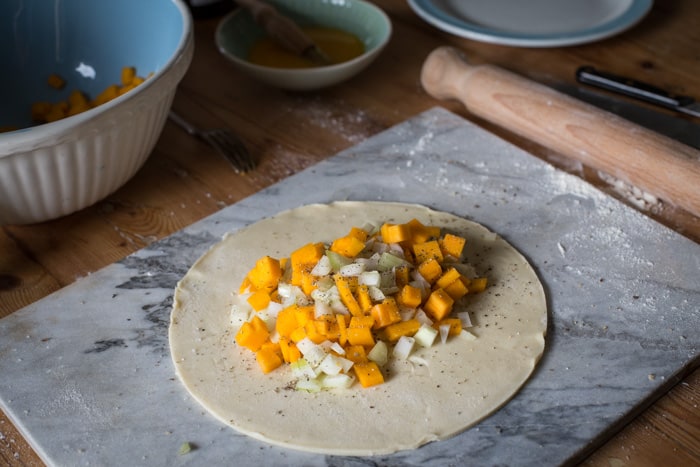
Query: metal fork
<point x="221" y="139"/>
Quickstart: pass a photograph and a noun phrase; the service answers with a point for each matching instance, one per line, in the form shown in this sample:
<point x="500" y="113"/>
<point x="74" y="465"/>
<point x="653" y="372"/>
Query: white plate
<point x="533" y="23"/>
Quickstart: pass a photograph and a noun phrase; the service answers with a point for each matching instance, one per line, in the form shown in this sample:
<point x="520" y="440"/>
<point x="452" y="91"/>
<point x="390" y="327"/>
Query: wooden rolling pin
<point x="599" y="139"/>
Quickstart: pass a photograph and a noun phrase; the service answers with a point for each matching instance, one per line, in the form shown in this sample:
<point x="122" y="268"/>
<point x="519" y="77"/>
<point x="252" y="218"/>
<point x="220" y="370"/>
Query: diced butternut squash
<point x="360" y="336"/>
<point x="78" y="102"/>
<point x="457" y="289"/>
<point x="409" y="296"/>
<point x="363" y="321"/>
<point x="294" y="353"/>
<point x="356" y="353"/>
<point x="304" y="314"/>
<point x="346" y="296"/>
<point x="368" y="374"/>
<point x="385" y="313"/>
<point x="328" y="327"/>
<point x="430" y="270"/>
<point x="308" y="281"/>
<point x="285" y="348"/>
<point x="403" y="328"/>
<point x="421" y="233"/>
<point x="359" y="331"/>
<point x="395" y="233"/>
<point x="268" y="359"/>
<point x="438" y="305"/>
<point x="342" y="329"/>
<point x="259" y="300"/>
<point x="348" y="246"/>
<point x="447" y="277"/>
<point x="305" y="257"/>
<point x="56" y="81"/>
<point x="478" y="285"/>
<point x="298" y="334"/>
<point x="427" y="250"/>
<point x="286" y="321"/>
<point x="128" y="75"/>
<point x="266" y="273"/>
<point x="109" y="93"/>
<point x="401" y="275"/>
<point x="253" y="334"/>
<point x="452" y="245"/>
<point x="39" y="111"/>
<point x="246" y="286"/>
<point x="313" y="332"/>
<point x="358" y="233"/>
<point x="364" y="300"/>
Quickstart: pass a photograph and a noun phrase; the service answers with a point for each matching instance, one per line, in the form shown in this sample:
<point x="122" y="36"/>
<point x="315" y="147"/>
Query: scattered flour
<point x="636" y="196"/>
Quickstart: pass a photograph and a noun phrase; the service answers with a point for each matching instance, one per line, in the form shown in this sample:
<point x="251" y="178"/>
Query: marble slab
<point x="86" y="373"/>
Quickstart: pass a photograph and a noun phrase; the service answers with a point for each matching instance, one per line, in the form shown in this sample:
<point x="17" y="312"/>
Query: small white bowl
<point x="54" y="169"/>
<point x="237" y="32"/>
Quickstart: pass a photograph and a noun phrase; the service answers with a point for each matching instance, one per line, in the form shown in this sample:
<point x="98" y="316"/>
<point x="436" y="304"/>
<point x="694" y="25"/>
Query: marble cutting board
<point x="86" y="375"/>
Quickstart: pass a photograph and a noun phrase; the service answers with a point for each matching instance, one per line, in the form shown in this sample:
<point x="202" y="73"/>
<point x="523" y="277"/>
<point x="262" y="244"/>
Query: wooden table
<point x="184" y="180"/>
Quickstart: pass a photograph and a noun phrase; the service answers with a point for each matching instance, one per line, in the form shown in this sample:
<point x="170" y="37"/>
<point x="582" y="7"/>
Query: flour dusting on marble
<point x="636" y="196"/>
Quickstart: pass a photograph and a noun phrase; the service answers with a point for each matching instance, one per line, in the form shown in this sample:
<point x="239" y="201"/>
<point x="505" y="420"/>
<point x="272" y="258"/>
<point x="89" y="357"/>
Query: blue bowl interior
<point x="87" y="42"/>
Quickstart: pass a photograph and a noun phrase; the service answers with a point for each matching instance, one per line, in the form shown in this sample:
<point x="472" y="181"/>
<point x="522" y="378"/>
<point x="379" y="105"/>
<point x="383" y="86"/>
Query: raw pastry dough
<point x="459" y="383"/>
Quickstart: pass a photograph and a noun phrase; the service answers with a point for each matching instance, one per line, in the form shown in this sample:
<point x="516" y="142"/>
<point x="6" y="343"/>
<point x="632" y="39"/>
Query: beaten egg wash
<point x="339" y="46"/>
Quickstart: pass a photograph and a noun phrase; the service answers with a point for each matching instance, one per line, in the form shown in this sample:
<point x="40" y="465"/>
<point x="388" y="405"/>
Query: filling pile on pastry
<point x="357" y="328"/>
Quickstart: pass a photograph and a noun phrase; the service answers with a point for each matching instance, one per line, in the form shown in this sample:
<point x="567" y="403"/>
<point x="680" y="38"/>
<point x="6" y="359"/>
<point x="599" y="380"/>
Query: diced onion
<point x="330" y="365"/>
<point x="388" y="281"/>
<point x="373" y="261"/>
<point x="403" y="347"/>
<point x="370" y="278"/>
<point x="284" y="289"/>
<point x="444" y="332"/>
<point x="376" y="294"/>
<point x="302" y="369"/>
<point x="423" y="317"/>
<point x="269" y="320"/>
<point x="370" y="228"/>
<point x="490" y="236"/>
<point x="396" y="250"/>
<point x="308" y="384"/>
<point x="380" y="247"/>
<point x="407" y="313"/>
<point x="388" y="261"/>
<point x="322" y="309"/>
<point x="339" y="307"/>
<point x="379" y="353"/>
<point x="274" y="308"/>
<point x="313" y="353"/>
<point x="425" y="336"/>
<point x="323" y="267"/>
<point x="337" y="348"/>
<point x="239" y="315"/>
<point x="465" y="319"/>
<point x="339" y="381"/>
<point x="337" y="260"/>
<point x="325" y="283"/>
<point x="352" y="269"/>
<point x="320" y="296"/>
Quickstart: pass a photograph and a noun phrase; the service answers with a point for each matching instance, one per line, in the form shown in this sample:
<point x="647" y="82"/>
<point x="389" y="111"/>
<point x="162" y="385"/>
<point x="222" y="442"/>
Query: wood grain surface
<point x="184" y="180"/>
